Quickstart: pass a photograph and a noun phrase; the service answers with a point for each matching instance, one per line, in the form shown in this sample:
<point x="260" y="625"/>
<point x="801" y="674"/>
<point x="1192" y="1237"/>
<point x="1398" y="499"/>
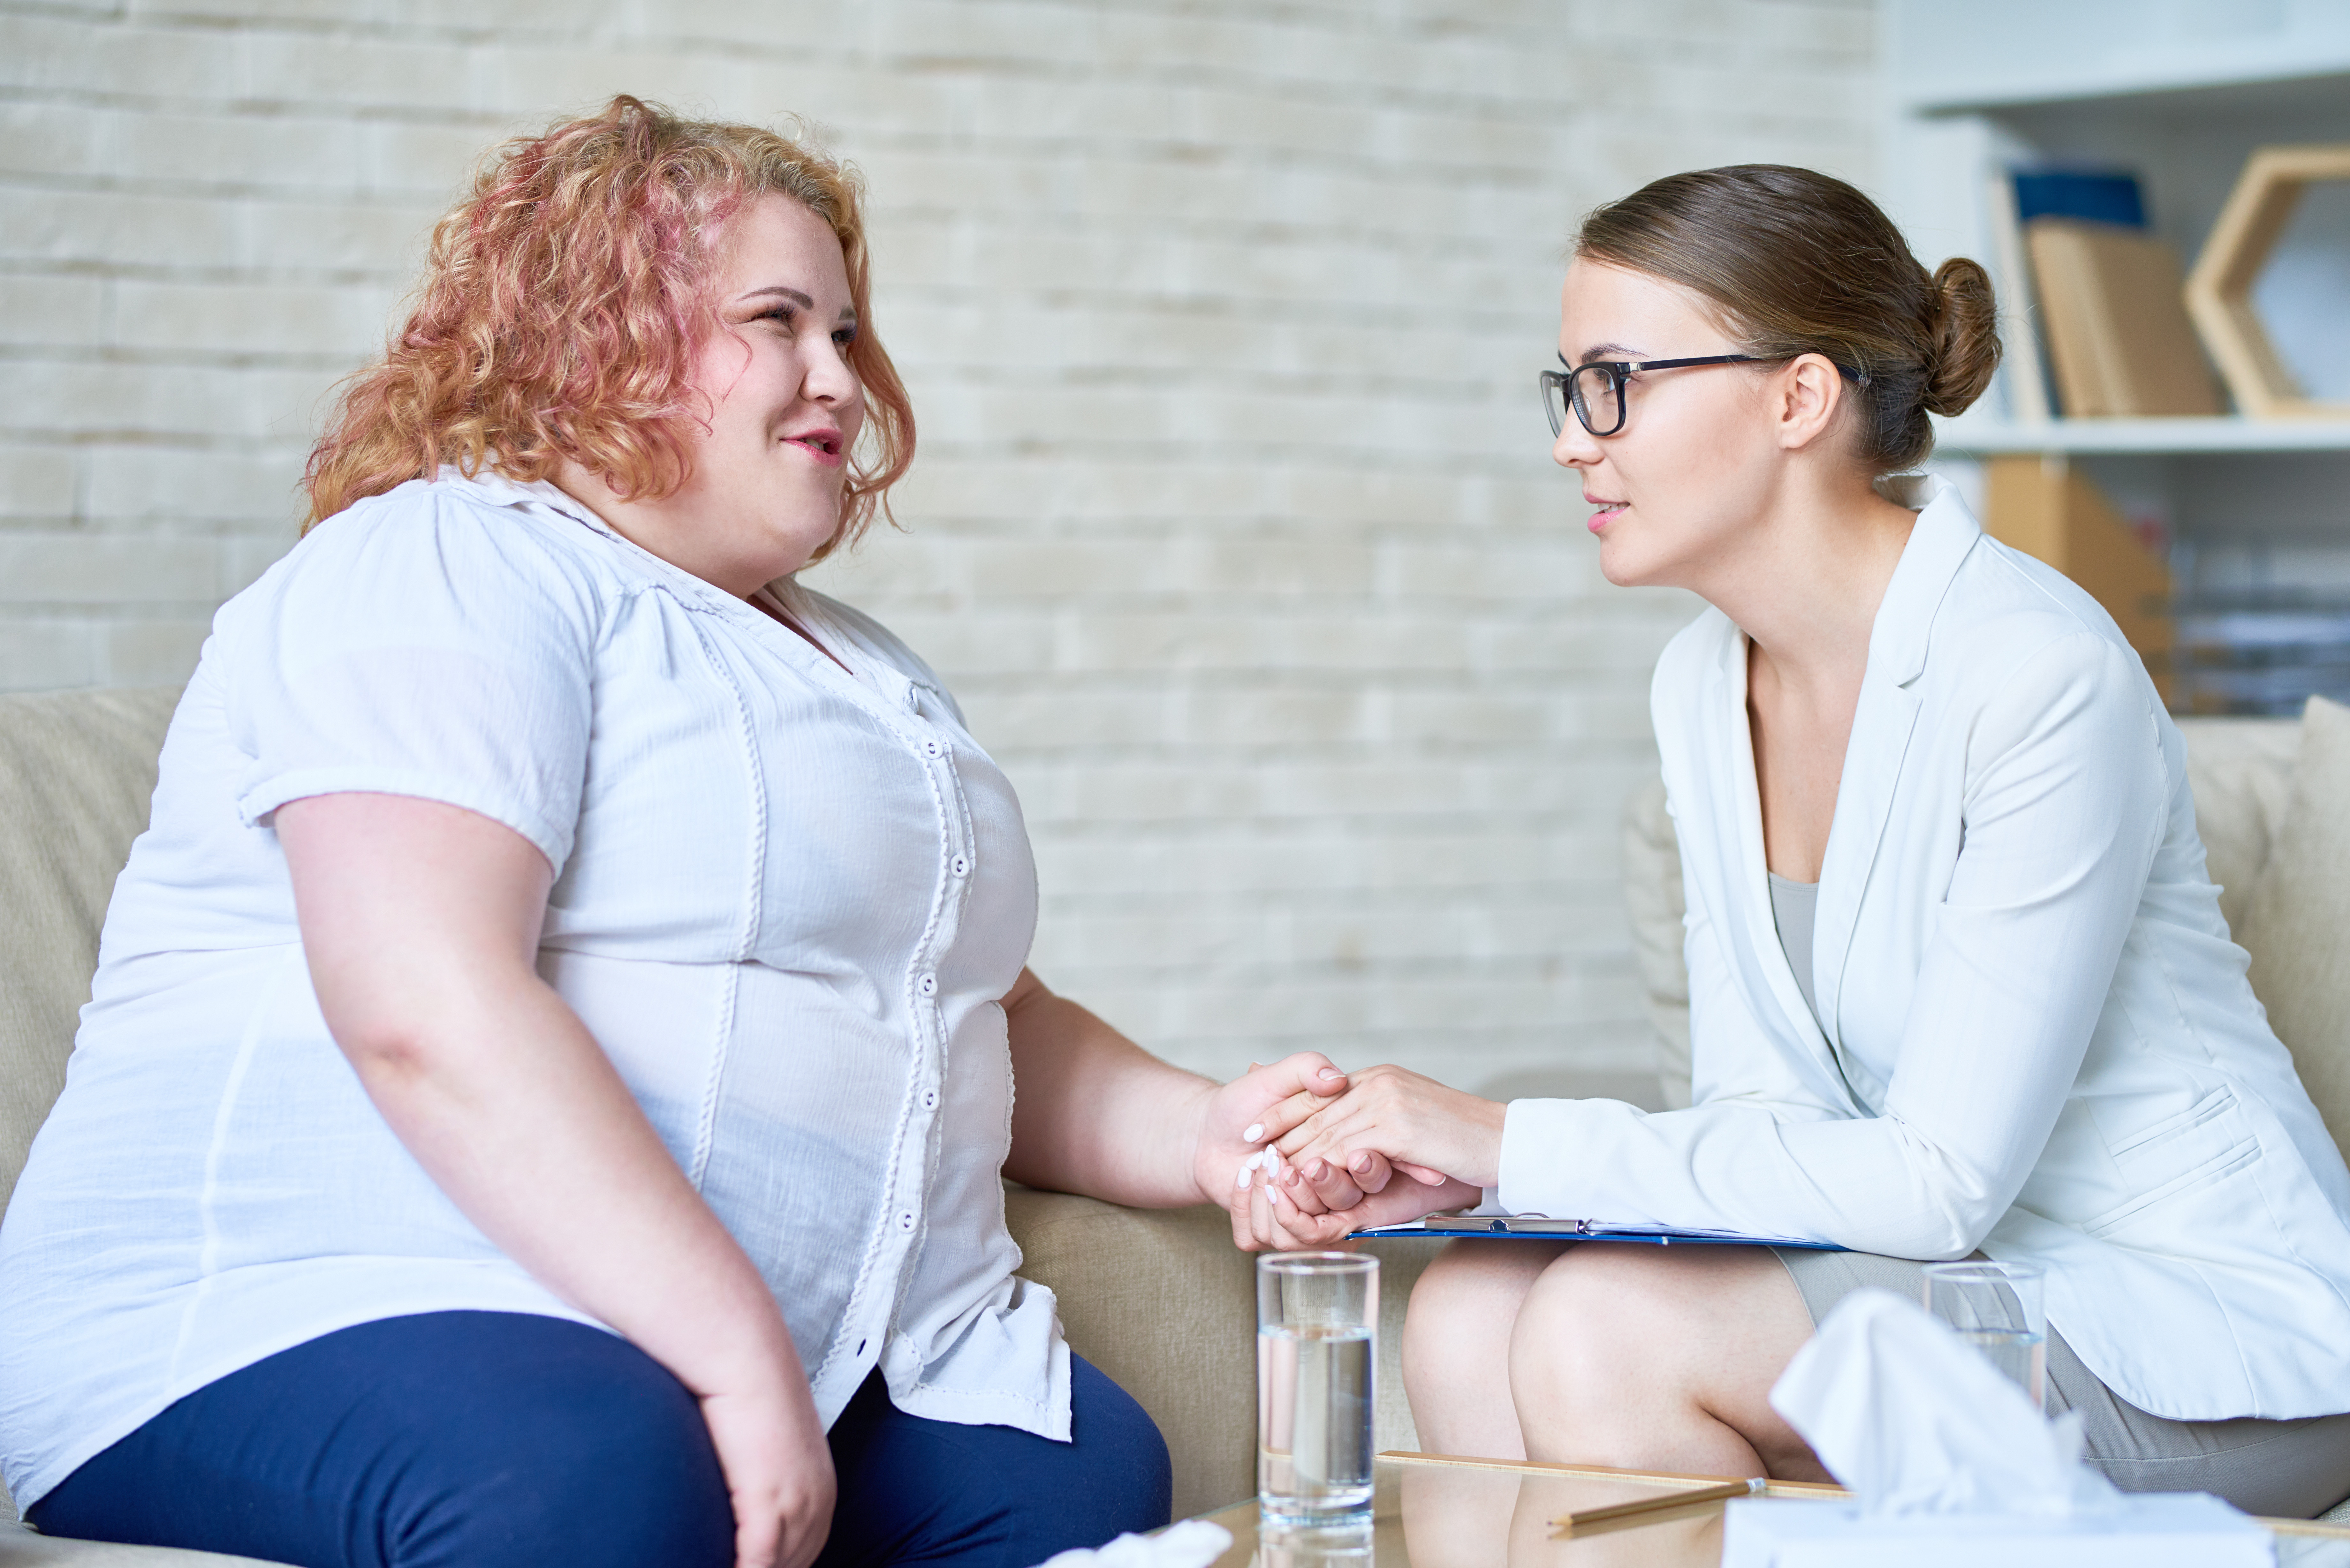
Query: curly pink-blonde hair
<point x="563" y="305"/>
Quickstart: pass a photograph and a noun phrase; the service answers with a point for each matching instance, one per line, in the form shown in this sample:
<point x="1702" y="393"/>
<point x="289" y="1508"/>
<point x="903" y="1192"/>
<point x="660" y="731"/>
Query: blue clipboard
<point x="1541" y="1228"/>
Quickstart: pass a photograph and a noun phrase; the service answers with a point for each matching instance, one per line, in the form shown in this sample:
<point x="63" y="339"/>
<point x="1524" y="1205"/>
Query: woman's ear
<point x="1808" y="393"/>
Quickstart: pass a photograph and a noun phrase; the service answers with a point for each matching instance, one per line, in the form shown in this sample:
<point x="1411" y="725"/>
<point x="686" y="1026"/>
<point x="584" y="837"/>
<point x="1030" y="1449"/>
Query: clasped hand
<point x="1327" y="1153"/>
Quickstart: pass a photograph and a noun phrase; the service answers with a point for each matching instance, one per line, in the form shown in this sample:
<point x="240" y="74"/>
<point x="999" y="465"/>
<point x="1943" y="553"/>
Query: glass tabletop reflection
<point x="1431" y="1511"/>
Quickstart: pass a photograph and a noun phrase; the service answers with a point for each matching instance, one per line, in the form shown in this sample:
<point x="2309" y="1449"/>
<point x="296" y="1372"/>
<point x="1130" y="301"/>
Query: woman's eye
<point x="845" y="336"/>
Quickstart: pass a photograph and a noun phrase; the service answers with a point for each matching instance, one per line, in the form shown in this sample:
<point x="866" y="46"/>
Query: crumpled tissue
<point x="1948" y="1461"/>
<point x="1194" y="1543"/>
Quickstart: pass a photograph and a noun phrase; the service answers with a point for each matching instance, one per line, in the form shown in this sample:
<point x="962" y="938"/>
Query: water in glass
<point x="1313" y="1420"/>
<point x="2023" y="1356"/>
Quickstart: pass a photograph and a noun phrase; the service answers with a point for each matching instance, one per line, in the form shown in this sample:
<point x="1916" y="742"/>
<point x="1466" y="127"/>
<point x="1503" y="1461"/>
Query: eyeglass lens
<point x="1597" y="401"/>
<point x="1591" y="391"/>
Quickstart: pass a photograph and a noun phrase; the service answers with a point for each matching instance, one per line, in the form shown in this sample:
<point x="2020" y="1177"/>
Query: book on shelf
<point x="2053" y="512"/>
<point x="2105" y="296"/>
<point x="2094" y="196"/>
<point x="2025" y="372"/>
<point x="2114" y="301"/>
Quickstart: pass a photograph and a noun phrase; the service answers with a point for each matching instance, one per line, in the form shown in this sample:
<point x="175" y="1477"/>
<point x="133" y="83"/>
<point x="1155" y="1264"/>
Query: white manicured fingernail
<point x="1241" y="1182"/>
<point x="1252" y="1132"/>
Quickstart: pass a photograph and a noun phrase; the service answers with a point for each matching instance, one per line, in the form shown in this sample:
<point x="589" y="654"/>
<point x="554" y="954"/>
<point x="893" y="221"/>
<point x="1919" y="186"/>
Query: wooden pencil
<point x="1584" y="1518"/>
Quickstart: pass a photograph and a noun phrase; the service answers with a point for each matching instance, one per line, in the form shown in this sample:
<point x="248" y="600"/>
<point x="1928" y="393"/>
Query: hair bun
<point x="1965" y="333"/>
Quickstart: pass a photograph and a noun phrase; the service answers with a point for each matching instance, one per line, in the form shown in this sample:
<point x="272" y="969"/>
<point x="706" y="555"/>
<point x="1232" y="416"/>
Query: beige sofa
<point x="1162" y="1302"/>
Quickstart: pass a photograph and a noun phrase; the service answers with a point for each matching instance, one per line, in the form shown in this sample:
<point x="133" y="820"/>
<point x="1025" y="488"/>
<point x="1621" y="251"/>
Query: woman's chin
<point x="1622" y="564"/>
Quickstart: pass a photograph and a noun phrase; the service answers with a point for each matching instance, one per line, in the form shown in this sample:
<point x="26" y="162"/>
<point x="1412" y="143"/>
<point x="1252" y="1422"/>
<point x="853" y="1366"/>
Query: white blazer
<point x="2036" y="1036"/>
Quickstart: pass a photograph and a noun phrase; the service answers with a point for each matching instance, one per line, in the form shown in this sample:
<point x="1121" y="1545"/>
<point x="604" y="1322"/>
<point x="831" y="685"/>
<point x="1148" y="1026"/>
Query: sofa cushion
<point x="1165" y="1305"/>
<point x="22" y="1548"/>
<point x="2299" y="911"/>
<point x="1162" y="1302"/>
<point x="2242" y="772"/>
<point x="78" y="772"/>
<point x="1653" y="897"/>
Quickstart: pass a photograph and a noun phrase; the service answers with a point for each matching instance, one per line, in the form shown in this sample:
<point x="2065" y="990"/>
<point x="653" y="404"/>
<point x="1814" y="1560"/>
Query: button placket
<point x="913" y="1178"/>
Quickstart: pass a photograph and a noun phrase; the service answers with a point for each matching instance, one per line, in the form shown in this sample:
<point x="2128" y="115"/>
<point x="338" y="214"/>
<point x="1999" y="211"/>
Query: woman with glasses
<point x="1959" y="982"/>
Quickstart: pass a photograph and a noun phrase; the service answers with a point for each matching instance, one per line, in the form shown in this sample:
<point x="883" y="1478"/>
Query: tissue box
<point x="2150" y="1530"/>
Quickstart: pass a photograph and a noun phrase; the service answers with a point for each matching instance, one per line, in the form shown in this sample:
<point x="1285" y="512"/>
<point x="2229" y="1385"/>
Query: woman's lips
<point x="822" y="445"/>
<point x="1608" y="512"/>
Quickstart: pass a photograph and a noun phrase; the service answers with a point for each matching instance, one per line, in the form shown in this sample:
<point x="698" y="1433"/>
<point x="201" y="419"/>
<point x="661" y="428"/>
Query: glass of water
<point x="1318" y="1318"/>
<point x="1998" y="1309"/>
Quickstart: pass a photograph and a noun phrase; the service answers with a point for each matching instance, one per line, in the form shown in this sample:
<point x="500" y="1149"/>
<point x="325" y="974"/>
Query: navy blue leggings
<point x="472" y="1439"/>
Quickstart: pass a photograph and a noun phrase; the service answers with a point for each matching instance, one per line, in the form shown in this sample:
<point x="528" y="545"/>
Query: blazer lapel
<point x="1881" y="729"/>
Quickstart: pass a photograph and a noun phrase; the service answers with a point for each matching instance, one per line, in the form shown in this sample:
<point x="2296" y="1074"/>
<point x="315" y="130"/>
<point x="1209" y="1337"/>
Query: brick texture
<point x="1234" y="525"/>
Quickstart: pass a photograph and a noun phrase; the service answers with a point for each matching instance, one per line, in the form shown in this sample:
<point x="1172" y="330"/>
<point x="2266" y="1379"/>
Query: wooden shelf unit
<point x="2182" y="96"/>
<point x="1977" y="436"/>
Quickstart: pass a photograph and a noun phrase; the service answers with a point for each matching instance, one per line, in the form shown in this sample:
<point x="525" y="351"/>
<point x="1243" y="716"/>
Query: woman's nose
<point x="1575" y="447"/>
<point x="830" y="379"/>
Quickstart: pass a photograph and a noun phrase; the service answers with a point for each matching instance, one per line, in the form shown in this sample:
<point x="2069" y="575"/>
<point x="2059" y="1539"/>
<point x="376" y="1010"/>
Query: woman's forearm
<point x="1097" y="1113"/>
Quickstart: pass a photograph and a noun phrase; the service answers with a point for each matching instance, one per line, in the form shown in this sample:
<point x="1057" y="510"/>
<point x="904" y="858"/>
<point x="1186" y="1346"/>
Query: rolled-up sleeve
<point x="2064" y="810"/>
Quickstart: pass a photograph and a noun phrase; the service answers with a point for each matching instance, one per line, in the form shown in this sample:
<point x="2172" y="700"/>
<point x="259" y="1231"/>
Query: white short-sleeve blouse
<point x="789" y="897"/>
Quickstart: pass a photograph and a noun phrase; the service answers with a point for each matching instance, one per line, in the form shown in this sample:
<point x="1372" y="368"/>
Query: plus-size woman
<point x="1958" y="978"/>
<point x="551" y="1062"/>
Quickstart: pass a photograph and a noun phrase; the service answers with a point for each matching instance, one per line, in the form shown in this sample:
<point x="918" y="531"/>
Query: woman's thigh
<point x="919" y="1490"/>
<point x="460" y="1439"/>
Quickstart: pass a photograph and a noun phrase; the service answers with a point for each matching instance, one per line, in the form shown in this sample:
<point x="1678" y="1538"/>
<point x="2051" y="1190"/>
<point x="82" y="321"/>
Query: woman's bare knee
<point x="1456" y="1340"/>
<point x="1631" y="1355"/>
<point x="1600" y="1317"/>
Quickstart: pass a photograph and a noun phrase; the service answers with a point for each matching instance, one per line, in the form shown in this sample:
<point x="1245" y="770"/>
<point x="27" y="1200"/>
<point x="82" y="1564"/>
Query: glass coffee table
<point x="1435" y="1511"/>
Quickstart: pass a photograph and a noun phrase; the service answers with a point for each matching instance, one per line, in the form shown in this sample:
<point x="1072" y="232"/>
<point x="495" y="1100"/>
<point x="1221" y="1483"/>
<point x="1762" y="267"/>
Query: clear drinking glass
<point x="1998" y="1309"/>
<point x="1318" y="1318"/>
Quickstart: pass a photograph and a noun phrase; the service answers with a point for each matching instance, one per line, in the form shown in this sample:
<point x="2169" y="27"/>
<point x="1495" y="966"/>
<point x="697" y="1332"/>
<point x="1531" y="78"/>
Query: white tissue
<point x="1194" y="1543"/>
<point x="1912" y="1419"/>
<point x="1951" y="1467"/>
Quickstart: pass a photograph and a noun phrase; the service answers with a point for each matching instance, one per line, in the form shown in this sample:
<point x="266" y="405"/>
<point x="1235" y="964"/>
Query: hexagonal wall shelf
<point x="2219" y="290"/>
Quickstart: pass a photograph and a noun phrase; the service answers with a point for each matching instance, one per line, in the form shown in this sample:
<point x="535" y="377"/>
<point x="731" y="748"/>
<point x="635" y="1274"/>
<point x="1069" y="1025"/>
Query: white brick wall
<point x="1234" y="525"/>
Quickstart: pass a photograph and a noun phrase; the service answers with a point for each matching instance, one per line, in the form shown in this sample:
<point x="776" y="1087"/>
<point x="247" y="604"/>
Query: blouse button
<point x="930" y="1099"/>
<point x="928" y="985"/>
<point x="905" y="1220"/>
<point x="933" y="749"/>
<point x="961" y="865"/>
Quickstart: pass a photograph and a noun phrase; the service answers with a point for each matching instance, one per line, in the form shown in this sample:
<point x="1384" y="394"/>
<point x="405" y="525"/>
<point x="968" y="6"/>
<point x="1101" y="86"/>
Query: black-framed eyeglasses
<point x="1596" y="390"/>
